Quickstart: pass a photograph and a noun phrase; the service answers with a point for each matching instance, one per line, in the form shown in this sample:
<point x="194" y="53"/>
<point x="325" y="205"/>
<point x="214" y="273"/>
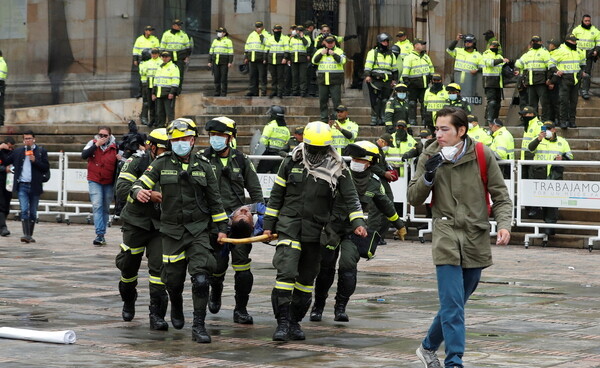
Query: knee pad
<point x="200" y="285"/>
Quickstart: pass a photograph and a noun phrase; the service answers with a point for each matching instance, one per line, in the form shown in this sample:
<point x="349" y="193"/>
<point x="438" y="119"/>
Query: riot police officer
<point x="381" y="73"/>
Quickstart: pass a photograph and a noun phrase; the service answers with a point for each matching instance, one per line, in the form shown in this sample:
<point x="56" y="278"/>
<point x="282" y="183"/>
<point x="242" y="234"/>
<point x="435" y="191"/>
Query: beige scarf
<point x="329" y="169"/>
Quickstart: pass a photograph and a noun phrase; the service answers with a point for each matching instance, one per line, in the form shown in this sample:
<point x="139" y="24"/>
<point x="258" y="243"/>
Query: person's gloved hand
<point x="283" y="154"/>
<point x="390" y="129"/>
<point x="405" y="157"/>
<point x="432" y="165"/>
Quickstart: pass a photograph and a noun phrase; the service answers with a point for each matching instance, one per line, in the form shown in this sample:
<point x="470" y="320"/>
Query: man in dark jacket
<point x="6" y="150"/>
<point x="30" y="162"/>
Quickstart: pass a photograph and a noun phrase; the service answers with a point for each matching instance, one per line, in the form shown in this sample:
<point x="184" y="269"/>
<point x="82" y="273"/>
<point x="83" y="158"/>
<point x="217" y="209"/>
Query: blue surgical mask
<point x="452" y="97"/>
<point x="181" y="148"/>
<point x="401" y="96"/>
<point x="218" y="143"/>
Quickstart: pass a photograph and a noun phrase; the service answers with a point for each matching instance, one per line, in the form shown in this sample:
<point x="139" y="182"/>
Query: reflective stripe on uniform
<point x="271" y="212"/>
<point x="292" y="243"/>
<point x="219" y="274"/>
<point x="356" y="215"/>
<point x="127" y="176"/>
<point x="304" y="288"/>
<point x="133" y="250"/>
<point x="280" y="181"/>
<point x="284" y="286"/>
<point x="244" y="267"/>
<point x="155" y="280"/>
<point x="173" y="258"/>
<point x="219" y="217"/>
<point x="147" y="181"/>
<point x="394" y="218"/>
<point x="130" y="280"/>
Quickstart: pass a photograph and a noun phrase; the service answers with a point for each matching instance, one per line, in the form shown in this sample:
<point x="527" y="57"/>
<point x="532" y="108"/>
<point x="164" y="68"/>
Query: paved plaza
<point x="538" y="307"/>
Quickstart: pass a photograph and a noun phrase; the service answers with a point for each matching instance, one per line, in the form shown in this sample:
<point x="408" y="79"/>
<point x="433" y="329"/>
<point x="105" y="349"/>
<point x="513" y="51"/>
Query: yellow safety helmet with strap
<point x="181" y="127"/>
<point x="221" y="124"/>
<point x="452" y="86"/>
<point x="363" y="150"/>
<point x="158" y="137"/>
<point x="318" y="133"/>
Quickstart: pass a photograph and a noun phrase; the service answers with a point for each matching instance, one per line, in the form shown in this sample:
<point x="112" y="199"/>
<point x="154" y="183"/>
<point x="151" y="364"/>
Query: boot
<point x="25" y="238"/>
<point x="345" y="289"/>
<point x="216" y="290"/>
<point x="243" y="285"/>
<point x="299" y="307"/>
<point x="339" y="309"/>
<point x="281" y="308"/>
<point x="158" y="310"/>
<point x="3" y="229"/>
<point x="31" y="227"/>
<point x="128" y="295"/>
<point x="177" y="318"/>
<point x="316" y="313"/>
<point x="199" y="333"/>
<point x="322" y="285"/>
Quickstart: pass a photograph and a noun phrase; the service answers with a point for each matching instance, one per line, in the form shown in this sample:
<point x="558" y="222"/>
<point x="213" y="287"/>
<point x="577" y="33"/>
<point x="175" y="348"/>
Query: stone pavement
<point x="534" y="308"/>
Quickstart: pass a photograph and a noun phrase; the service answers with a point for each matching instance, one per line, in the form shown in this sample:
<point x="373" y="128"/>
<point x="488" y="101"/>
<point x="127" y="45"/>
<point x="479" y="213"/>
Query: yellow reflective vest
<point x="221" y="51"/>
<point x="330" y="68"/>
<point x="503" y="144"/>
<point x="148" y="69"/>
<point x="275" y="137"/>
<point x="277" y="50"/>
<point x="465" y="61"/>
<point x="405" y="48"/>
<point x="587" y="39"/>
<point x="255" y="46"/>
<point x="536" y="63"/>
<point x="141" y="43"/>
<point x="399" y="149"/>
<point x="339" y="140"/>
<point x="380" y="65"/>
<point x="478" y="134"/>
<point x="417" y="67"/>
<point x="434" y="102"/>
<point x="179" y="44"/>
<point x="548" y="149"/>
<point x="3" y="69"/>
<point x="299" y="49"/>
<point x="569" y="61"/>
<point x="491" y="67"/>
<point x="533" y="130"/>
<point x="166" y="80"/>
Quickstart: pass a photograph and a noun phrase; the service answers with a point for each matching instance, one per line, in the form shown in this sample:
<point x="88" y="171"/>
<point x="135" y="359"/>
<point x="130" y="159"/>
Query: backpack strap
<point x="480" y="155"/>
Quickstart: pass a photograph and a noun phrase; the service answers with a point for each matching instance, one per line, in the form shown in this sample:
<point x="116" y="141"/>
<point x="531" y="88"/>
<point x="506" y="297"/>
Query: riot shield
<point x="256" y="148"/>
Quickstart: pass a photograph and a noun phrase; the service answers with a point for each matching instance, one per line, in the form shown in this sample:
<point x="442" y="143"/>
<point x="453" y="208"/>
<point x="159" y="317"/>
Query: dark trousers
<point x="277" y="78"/>
<point x="136" y="84"/>
<point x="568" y="95"/>
<point x="287" y="80"/>
<point x="148" y="113"/>
<point x="165" y="111"/>
<point x="415" y="95"/>
<point x="220" y="73"/>
<point x="538" y="93"/>
<point x="2" y="92"/>
<point x="311" y="78"/>
<point x="181" y="65"/>
<point x="494" y="100"/>
<point x="335" y="92"/>
<point x="299" y="79"/>
<point x="589" y="63"/>
<point x="258" y="73"/>
<point x="553" y="97"/>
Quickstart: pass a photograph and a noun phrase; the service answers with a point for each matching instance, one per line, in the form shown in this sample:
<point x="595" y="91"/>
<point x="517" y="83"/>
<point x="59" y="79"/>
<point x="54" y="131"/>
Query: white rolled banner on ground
<point x="56" y="337"/>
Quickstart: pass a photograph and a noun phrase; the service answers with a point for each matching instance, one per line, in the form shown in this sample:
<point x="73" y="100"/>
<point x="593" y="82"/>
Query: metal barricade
<point x="557" y="193"/>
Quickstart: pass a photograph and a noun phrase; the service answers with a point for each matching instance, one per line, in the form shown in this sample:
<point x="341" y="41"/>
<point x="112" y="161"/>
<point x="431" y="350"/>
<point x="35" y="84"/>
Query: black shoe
<point x="177" y="318"/>
<point x="296" y="332"/>
<point x="199" y="333"/>
<point x="316" y="314"/>
<point x="242" y="317"/>
<point x="585" y="95"/>
<point x="158" y="323"/>
<point x="382" y="242"/>
<point x="572" y="125"/>
<point x="250" y="94"/>
<point x="564" y="125"/>
<point x="99" y="241"/>
<point x="4" y="232"/>
<point x="273" y="94"/>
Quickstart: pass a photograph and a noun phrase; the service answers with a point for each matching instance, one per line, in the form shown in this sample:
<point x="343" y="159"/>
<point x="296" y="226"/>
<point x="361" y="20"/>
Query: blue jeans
<point x="101" y="196"/>
<point x="28" y="202"/>
<point x="455" y="286"/>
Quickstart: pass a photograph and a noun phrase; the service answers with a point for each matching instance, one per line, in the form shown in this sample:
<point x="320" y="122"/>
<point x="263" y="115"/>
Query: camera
<point x="462" y="36"/>
<point x="544" y="128"/>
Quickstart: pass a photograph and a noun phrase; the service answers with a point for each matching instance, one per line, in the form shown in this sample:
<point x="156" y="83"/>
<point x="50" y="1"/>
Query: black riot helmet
<point x="470" y="38"/>
<point x="146" y="55"/>
<point x="383" y="37"/>
<point x="276" y="111"/>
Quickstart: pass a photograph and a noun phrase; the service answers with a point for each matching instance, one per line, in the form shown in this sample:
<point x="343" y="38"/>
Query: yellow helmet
<point x="363" y="150"/>
<point x="455" y="86"/>
<point x="221" y="124"/>
<point x="158" y="137"/>
<point x="318" y="133"/>
<point x="181" y="127"/>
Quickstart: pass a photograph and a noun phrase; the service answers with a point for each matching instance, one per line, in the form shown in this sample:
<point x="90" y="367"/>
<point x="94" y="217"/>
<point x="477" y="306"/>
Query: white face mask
<point x="385" y="148"/>
<point x="293" y="32"/>
<point x="452" y="97"/>
<point x="401" y="95"/>
<point x="449" y="152"/>
<point x="423" y="140"/>
<point x="549" y="134"/>
<point x="357" y="166"/>
<point x="220" y="34"/>
<point x="470" y="126"/>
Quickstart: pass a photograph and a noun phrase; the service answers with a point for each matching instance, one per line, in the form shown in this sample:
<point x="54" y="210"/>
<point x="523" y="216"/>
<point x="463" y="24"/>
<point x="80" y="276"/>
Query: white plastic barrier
<point x="557" y="193"/>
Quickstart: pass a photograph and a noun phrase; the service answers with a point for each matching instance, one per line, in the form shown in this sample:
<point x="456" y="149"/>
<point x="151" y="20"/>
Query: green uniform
<point x="299" y="223"/>
<point x="535" y="65"/>
<point x="290" y="145"/>
<point x="588" y="40"/>
<point x="330" y="77"/>
<point x="3" y="76"/>
<point x="377" y="220"/>
<point x="380" y="65"/>
<point x="300" y="53"/>
<point x="395" y="109"/>
<point x="434" y="102"/>
<point x="141" y="224"/>
<point x="190" y="202"/>
<point x="416" y="73"/>
<point x="405" y="47"/>
<point x="533" y="128"/>
<point x="404" y="148"/>
<point x="255" y="52"/>
<point x="461" y="103"/>
<point x="220" y="56"/>
<point x="571" y="63"/>
<point x="166" y="82"/>
<point x="493" y="82"/>
<point x="148" y="69"/>
<point x="143" y="43"/>
<point x="342" y="138"/>
<point x="234" y="174"/>
<point x="277" y="51"/>
<point x="372" y="196"/>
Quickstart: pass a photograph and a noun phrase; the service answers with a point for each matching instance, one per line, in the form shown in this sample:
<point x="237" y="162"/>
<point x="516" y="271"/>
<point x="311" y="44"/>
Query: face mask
<point x="526" y="119"/>
<point x="181" y="148"/>
<point x="536" y="46"/>
<point x="402" y="134"/>
<point x="385" y="148"/>
<point x="220" y="34"/>
<point x="423" y="141"/>
<point x="294" y="33"/>
<point x="325" y="34"/>
<point x="436" y="87"/>
<point x="572" y="46"/>
<point x="586" y="26"/>
<point x="470" y="126"/>
<point x="218" y="143"/>
<point x="357" y="166"/>
<point x="448" y="153"/>
<point x="452" y="97"/>
<point x="401" y="95"/>
<point x="548" y="134"/>
<point x="276" y="33"/>
<point x="494" y="50"/>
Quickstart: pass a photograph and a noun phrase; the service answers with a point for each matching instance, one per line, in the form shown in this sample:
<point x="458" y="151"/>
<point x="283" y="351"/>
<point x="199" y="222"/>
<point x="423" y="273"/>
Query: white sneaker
<point x="428" y="357"/>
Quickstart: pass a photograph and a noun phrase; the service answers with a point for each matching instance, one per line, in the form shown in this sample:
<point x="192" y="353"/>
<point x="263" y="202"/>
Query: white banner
<point x="76" y="180"/>
<point x="266" y="183"/>
<point x="560" y="193"/>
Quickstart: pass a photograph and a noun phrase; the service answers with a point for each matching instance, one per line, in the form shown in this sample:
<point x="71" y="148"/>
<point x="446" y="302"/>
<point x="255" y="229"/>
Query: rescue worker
<point x="179" y="44"/>
<point x="535" y="64"/>
<point x="489" y="38"/>
<point x="401" y="48"/>
<point x="343" y="130"/>
<point x="532" y="126"/>
<point x="235" y="173"/>
<point x="274" y="137"/>
<point x="293" y="142"/>
<point x="435" y="98"/>
<point x="330" y="61"/>
<point x="466" y="60"/>
<point x="148" y="67"/>
<point x="396" y="108"/>
<point x="313" y="169"/>
<point x="553" y="89"/>
<point x="300" y="52"/>
<point x="3" y="77"/>
<point x="141" y="233"/>
<point x="146" y="41"/>
<point x="255" y="57"/>
<point x="503" y="145"/>
<point x="569" y="62"/>
<point x="548" y="146"/>
<point x="339" y="244"/>
<point x="456" y="100"/>
<point x="166" y="88"/>
<point x="493" y="81"/>
<point x="380" y="75"/>
<point x="404" y="147"/>
<point x="190" y="201"/>
<point x="416" y="74"/>
<point x="588" y="40"/>
<point x="220" y="59"/>
<point x="476" y="132"/>
<point x="277" y="47"/>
